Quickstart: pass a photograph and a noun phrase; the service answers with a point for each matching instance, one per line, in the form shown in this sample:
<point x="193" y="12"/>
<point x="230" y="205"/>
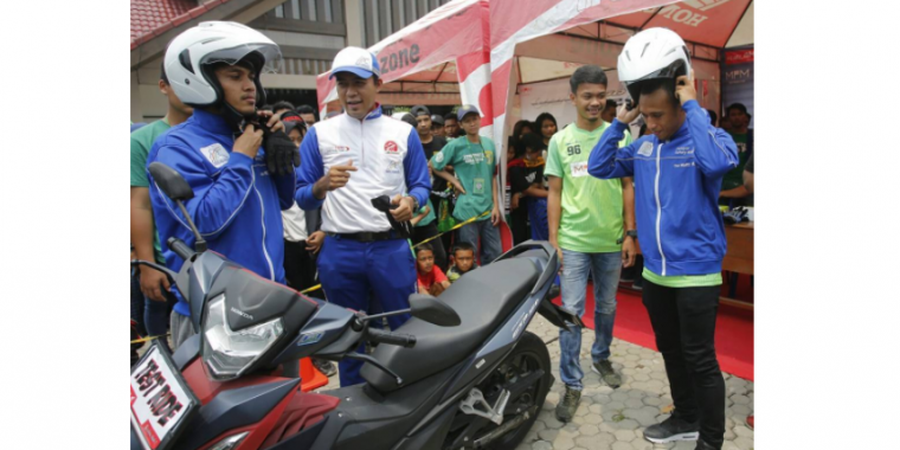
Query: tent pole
<point x="737" y="23"/>
<point x="651" y="18"/>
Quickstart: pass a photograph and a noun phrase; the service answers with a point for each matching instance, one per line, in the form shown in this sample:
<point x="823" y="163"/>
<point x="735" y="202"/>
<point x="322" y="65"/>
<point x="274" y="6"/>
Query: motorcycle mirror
<point x="176" y="188"/>
<point x="171" y="182"/>
<point x="433" y="310"/>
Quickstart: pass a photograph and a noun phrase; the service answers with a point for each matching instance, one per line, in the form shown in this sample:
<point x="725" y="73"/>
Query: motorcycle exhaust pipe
<point x="506" y="427"/>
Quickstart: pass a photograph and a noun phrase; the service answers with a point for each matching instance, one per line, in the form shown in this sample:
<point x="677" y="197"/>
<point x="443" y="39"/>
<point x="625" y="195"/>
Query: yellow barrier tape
<point x="149" y="338"/>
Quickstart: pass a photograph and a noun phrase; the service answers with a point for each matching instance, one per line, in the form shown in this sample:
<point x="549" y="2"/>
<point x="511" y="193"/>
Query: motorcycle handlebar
<point x="180" y="248"/>
<point x="387" y="337"/>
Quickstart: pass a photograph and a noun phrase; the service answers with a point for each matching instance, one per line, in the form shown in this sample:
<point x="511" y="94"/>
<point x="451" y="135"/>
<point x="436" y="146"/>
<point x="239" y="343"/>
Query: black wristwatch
<point x="632" y="233"/>
<point x="416" y="203"/>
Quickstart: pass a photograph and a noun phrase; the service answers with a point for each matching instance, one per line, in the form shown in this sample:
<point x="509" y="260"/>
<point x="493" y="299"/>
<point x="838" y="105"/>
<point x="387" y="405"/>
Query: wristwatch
<point x="415" y="202"/>
<point x="632" y="233"/>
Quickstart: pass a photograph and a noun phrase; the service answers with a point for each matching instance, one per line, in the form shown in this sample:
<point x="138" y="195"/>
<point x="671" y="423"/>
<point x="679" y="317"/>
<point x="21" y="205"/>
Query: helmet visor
<point x="264" y="58"/>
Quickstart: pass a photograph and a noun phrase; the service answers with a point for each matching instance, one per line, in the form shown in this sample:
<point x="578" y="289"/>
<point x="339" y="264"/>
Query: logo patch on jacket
<point x="335" y="149"/>
<point x="215" y="154"/>
<point x="391" y="147"/>
<point x="646" y="149"/>
<point x="394" y="166"/>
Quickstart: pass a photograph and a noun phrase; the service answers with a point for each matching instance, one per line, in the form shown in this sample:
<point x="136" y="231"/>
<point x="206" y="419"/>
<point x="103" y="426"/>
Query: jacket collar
<point x="375" y="113"/>
<point x="210" y="122"/>
<point x="682" y="132"/>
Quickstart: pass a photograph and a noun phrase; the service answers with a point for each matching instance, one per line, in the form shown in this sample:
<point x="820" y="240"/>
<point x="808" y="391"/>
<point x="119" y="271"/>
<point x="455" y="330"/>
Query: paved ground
<point x="613" y="419"/>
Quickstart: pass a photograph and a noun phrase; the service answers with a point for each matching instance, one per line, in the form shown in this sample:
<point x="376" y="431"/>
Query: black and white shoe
<point x="671" y="430"/>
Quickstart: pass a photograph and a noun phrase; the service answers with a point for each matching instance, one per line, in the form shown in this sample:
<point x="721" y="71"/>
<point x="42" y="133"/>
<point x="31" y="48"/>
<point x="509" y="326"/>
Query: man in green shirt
<point x="733" y="191"/>
<point x="588" y="219"/>
<point x="154" y="284"/>
<point x="472" y="158"/>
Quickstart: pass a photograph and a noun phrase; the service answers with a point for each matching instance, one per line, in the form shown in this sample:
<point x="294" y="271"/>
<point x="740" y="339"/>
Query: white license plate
<point x="161" y="401"/>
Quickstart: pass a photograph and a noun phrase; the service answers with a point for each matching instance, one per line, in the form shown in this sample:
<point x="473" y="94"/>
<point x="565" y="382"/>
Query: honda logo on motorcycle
<point x="241" y="313"/>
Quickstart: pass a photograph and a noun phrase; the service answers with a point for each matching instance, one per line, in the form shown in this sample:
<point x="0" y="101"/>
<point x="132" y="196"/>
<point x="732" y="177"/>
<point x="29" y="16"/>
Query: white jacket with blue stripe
<point x="390" y="160"/>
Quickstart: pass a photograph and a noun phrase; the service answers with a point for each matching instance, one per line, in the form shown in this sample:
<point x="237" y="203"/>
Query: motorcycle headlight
<point x="228" y="353"/>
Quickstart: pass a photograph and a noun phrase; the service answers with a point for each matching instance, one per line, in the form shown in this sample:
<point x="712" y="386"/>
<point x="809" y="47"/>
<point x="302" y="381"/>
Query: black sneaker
<point x="566" y="408"/>
<point x="326" y="367"/>
<point x="605" y="370"/>
<point x="671" y="430"/>
<point x="638" y="284"/>
<point x="702" y="445"/>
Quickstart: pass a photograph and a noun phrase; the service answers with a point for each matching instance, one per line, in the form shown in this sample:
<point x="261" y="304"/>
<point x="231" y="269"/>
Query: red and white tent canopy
<point x="446" y="51"/>
<point x="546" y="29"/>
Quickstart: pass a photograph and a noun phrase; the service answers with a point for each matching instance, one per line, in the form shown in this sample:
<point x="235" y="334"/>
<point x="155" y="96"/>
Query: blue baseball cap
<point x="357" y="61"/>
<point x="466" y="109"/>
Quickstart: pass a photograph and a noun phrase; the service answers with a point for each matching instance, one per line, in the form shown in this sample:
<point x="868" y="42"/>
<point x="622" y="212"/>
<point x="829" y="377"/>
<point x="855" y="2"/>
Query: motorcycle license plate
<point x="161" y="401"/>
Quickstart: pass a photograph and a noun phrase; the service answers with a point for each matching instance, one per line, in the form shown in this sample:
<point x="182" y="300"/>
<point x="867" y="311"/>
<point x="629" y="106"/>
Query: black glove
<point x="383" y="204"/>
<point x="282" y="156"/>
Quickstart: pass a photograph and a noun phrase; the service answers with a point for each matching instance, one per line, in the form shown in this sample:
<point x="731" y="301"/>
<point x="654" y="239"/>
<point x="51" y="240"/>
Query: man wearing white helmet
<point x="347" y="162"/>
<point x="677" y="173"/>
<point x="240" y="183"/>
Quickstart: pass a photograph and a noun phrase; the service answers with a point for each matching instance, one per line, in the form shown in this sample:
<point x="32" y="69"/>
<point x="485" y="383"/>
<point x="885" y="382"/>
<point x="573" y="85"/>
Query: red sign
<point x="391" y="147"/>
<point x="739" y="56"/>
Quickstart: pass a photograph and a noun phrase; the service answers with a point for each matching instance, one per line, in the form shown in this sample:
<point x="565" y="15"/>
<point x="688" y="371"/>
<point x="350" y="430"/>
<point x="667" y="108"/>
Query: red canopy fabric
<point x="456" y="33"/>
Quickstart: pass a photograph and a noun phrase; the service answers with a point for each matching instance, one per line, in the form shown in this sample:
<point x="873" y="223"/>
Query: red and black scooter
<point x="469" y="376"/>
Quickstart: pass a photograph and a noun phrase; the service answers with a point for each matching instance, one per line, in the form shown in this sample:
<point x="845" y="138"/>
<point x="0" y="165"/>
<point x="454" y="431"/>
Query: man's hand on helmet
<point x="626" y="115"/>
<point x="684" y="88"/>
<point x="274" y="123"/>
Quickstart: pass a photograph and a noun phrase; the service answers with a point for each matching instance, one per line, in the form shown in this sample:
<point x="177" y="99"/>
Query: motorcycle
<point x="463" y="372"/>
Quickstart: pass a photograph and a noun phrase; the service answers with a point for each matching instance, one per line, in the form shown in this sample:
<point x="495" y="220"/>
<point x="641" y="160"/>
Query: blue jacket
<point x="676" y="186"/>
<point x="389" y="159"/>
<point x="236" y="206"/>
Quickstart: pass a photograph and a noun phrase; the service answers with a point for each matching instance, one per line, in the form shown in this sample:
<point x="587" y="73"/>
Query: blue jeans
<point x="537" y="215"/>
<point x="350" y="270"/>
<point x="605" y="269"/>
<point x="156" y="314"/>
<point x="490" y="239"/>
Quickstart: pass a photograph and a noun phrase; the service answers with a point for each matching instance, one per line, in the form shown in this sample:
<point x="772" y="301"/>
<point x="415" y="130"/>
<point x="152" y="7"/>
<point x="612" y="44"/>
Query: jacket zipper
<point x="659" y="211"/>
<point x="262" y="207"/>
<point x="362" y="145"/>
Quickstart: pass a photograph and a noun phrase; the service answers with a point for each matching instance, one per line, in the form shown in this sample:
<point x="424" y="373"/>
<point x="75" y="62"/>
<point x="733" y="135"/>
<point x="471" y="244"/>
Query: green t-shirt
<point x="592" y="215"/>
<point x="141" y="141"/>
<point x="474" y="166"/>
<point x="428" y="217"/>
<point x="735" y="177"/>
<point x="683" y="281"/>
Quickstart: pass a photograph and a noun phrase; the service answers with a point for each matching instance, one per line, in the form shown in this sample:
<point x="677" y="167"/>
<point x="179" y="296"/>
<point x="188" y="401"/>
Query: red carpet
<point x="734" y="328"/>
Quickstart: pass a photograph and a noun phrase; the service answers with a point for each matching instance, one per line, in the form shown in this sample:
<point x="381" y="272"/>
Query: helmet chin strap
<point x="234" y="118"/>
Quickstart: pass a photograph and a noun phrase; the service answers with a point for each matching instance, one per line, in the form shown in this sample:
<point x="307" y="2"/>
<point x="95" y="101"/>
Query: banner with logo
<point x="737" y="79"/>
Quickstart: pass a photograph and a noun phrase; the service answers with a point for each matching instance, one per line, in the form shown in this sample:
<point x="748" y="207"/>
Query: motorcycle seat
<point x="483" y="298"/>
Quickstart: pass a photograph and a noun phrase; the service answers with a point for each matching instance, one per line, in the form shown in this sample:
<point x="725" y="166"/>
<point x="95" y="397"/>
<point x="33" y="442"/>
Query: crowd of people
<point x="589" y="188"/>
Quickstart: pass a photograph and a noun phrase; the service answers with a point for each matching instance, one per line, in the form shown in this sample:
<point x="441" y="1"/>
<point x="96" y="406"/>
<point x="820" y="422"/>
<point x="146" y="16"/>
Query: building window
<point x="313" y="14"/>
<point x="295" y="10"/>
<point x="328" y="12"/>
<point x="279" y="11"/>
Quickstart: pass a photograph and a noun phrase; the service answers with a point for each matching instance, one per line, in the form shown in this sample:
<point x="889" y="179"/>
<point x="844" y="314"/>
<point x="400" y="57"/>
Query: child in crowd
<point x="463" y="261"/>
<point x="431" y="278"/>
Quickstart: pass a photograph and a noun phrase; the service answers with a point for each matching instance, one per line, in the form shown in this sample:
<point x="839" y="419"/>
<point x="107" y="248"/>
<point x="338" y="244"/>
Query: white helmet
<point x="191" y="53"/>
<point x="652" y="53"/>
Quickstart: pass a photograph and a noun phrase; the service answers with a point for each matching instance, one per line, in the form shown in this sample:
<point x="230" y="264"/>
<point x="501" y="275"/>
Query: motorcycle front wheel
<point x="527" y="372"/>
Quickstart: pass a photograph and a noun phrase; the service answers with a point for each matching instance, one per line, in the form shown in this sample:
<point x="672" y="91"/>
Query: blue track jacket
<point x="237" y="204"/>
<point x="676" y="186"/>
